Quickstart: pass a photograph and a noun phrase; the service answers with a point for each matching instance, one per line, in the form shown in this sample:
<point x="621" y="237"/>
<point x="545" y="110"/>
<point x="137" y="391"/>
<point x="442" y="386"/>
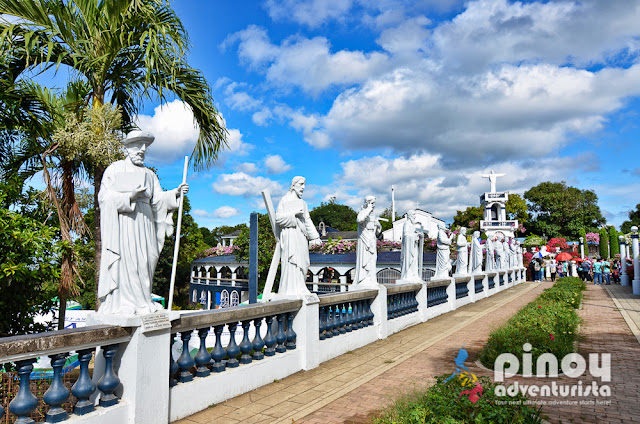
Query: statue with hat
<point x="135" y="217"/>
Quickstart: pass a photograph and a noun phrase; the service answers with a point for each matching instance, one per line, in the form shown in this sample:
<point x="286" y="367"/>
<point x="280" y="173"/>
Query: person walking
<point x="597" y="272"/>
<point x="536" y="270"/>
<point x="586" y="266"/>
<point x="580" y="271"/>
<point x="553" y="269"/>
<point x="606" y="271"/>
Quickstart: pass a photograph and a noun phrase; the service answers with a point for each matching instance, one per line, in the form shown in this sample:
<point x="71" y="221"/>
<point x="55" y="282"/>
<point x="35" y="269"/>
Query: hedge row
<point x="550" y="323"/>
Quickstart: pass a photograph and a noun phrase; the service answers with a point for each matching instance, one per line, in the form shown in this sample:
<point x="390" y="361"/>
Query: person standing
<point x="606" y="272"/>
<point x="536" y="270"/>
<point x="597" y="272"/>
<point x="552" y="269"/>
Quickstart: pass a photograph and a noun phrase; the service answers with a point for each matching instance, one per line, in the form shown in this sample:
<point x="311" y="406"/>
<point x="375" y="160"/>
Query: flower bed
<point x="446" y="403"/>
<point x="549" y="324"/>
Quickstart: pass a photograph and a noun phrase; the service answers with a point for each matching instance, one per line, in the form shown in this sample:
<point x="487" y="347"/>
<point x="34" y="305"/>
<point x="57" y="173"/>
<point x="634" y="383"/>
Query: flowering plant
<point x="557" y="242"/>
<point x="218" y="251"/>
<point x="332" y="247"/>
<point x="521" y="228"/>
<point x="592" y="238"/>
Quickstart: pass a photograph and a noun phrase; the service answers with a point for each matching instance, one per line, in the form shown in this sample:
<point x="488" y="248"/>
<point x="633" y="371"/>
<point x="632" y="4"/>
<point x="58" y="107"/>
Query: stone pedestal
<point x="636" y="265"/>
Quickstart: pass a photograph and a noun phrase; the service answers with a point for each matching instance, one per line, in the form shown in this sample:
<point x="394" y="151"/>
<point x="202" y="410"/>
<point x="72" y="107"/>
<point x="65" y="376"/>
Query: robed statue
<point x="443" y="245"/>
<point x="410" y="258"/>
<point x="462" y="262"/>
<point x="366" y="250"/>
<point x="135" y="218"/>
<point x="476" y="254"/>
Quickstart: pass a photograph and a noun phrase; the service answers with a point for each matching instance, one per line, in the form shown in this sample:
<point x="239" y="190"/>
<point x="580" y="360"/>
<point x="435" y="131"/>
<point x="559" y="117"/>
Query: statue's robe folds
<point x="366" y="250"/>
<point x="295" y="234"/>
<point x="499" y="255"/>
<point x="443" y="262"/>
<point x="462" y="263"/>
<point x="490" y="263"/>
<point x="476" y="256"/>
<point x="505" y="256"/>
<point x="410" y="251"/>
<point x="133" y="233"/>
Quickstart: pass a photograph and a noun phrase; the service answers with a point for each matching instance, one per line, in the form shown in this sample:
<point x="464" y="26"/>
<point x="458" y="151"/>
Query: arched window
<point x="388" y="276"/>
<point x="235" y="299"/>
<point x="224" y="299"/>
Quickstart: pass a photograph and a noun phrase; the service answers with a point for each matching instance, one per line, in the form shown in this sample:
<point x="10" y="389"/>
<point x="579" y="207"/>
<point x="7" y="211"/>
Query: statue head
<point x="411" y="215"/>
<point x="297" y="185"/>
<point x="441" y="226"/>
<point x="463" y="231"/>
<point x="136" y="144"/>
<point x="476" y="234"/>
<point x="369" y="200"/>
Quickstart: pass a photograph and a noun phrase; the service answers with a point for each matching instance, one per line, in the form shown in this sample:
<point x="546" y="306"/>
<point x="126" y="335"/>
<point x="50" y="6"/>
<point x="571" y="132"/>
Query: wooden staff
<point x="177" y="245"/>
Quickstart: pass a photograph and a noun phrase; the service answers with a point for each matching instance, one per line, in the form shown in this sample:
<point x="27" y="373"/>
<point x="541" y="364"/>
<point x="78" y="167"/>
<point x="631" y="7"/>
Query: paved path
<point x="352" y="387"/>
<point x="628" y="304"/>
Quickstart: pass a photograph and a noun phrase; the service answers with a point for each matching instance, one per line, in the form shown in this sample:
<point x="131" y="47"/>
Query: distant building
<point x="327" y="233"/>
<point x="228" y="239"/>
<point x="424" y="218"/>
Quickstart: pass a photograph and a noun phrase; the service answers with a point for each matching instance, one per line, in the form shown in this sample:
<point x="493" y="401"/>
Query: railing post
<point x="57" y="394"/>
<point x="109" y="381"/>
<point x="25" y="402"/>
<point x="306" y="324"/>
<point x="142" y="365"/>
<point x="379" y="310"/>
<point x="84" y="387"/>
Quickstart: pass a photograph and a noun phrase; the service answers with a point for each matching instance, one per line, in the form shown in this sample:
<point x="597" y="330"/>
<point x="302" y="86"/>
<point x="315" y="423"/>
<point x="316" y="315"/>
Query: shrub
<point x="442" y="403"/>
<point x="549" y="324"/>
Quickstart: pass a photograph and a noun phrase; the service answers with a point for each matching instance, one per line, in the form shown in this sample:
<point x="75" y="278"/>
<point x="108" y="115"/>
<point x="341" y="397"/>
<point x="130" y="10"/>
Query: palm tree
<point x="126" y="50"/>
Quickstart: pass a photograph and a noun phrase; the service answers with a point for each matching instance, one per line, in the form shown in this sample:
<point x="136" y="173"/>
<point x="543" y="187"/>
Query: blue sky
<point x="357" y="95"/>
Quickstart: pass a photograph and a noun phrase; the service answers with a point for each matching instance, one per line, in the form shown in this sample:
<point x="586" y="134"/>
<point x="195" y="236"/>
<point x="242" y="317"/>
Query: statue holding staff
<point x="443" y="244"/>
<point x="476" y="254"/>
<point x="411" y="249"/>
<point x="462" y="263"/>
<point x="135" y="217"/>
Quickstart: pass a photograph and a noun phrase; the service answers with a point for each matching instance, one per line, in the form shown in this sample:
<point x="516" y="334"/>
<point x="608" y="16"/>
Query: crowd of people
<point x="597" y="270"/>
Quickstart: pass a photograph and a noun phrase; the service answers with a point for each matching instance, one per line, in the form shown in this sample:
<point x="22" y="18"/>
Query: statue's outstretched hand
<point x="316" y="242"/>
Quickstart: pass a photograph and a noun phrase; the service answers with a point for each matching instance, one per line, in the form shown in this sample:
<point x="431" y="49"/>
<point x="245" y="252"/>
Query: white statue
<point x="296" y="231"/>
<point x="366" y="251"/>
<point x="493" y="177"/>
<point x="476" y="254"/>
<point x="505" y="255"/>
<point x="135" y="217"/>
<point x="462" y="263"/>
<point x="499" y="254"/>
<point x="443" y="243"/>
<point x="512" y="254"/>
<point x="490" y="262"/>
<point x="411" y="251"/>
<point x="519" y="255"/>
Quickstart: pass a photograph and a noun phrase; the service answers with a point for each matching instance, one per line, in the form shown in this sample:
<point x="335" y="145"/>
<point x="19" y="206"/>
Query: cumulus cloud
<point x="224" y="212"/>
<point x="241" y="184"/>
<point x="174" y="129"/>
<point x="276" y="165"/>
<point x="302" y="62"/>
<point x="247" y="168"/>
<point x="312" y="13"/>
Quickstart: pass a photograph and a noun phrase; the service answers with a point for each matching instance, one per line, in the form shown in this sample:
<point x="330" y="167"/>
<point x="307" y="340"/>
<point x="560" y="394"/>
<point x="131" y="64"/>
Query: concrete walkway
<point x="628" y="304"/>
<point x="354" y="386"/>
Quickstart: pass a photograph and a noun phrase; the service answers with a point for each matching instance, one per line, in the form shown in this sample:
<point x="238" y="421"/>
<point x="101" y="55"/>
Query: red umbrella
<point x="564" y="256"/>
<point x="577" y="259"/>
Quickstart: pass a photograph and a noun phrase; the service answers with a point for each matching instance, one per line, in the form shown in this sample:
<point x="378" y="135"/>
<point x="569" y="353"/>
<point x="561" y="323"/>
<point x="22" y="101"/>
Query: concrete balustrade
<point x="225" y="352"/>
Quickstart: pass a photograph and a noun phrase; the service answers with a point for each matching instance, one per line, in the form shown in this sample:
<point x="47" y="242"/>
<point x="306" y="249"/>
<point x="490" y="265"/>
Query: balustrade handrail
<point x="402" y="288"/>
<point x="335" y="298"/>
<point x="27" y="346"/>
<point x="204" y="319"/>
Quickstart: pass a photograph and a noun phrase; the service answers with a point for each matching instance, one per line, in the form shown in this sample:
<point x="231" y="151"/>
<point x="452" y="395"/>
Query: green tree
<point x="386" y="225"/>
<point x="604" y="243"/>
<point x="561" y="211"/>
<point x="30" y="251"/>
<point x="191" y="243"/>
<point x="634" y="219"/>
<point x="266" y="246"/>
<point x="517" y="209"/>
<point x="614" y="243"/>
<point x="335" y="215"/>
<point x="214" y="236"/>
<point x="125" y="49"/>
<point x="469" y="218"/>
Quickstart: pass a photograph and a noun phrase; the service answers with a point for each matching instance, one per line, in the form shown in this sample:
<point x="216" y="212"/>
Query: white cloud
<point x="312" y="13"/>
<point x="224" y="212"/>
<point x="247" y="168"/>
<point x="241" y="184"/>
<point x="276" y="165"/>
<point x="174" y="129"/>
<point x="305" y="63"/>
